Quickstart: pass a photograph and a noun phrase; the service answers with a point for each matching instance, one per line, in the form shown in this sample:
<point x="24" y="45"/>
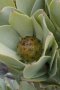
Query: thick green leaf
<point x="37" y="28"/>
<point x="55" y="11"/>
<point x="25" y="5"/>
<point x="10" y="58"/>
<point x="37" y="13"/>
<point x="53" y="65"/>
<point x="9" y="36"/>
<point x="42" y="22"/>
<point x="2" y="20"/>
<point x="47" y="3"/>
<point x="39" y="4"/>
<point x="36" y="70"/>
<point x="5" y="13"/>
<point x="4" y="3"/>
<point x="21" y="23"/>
<point x="54" y="16"/>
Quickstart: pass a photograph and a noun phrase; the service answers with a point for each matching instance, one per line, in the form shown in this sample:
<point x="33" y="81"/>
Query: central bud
<point x="30" y="48"/>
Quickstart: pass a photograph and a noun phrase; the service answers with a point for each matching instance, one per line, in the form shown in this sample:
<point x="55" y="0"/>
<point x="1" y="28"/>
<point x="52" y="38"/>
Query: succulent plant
<point x="29" y="44"/>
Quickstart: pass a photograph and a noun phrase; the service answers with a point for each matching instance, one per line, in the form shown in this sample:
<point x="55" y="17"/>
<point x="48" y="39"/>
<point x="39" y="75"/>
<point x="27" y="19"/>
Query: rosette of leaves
<point x="28" y="18"/>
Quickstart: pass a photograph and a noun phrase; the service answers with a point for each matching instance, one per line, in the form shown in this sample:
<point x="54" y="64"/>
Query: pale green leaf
<point x="54" y="16"/>
<point x="55" y="11"/>
<point x="25" y="5"/>
<point x="10" y="58"/>
<point x="9" y="36"/>
<point x="47" y="9"/>
<point x="39" y="4"/>
<point x="34" y="70"/>
<point x="5" y="13"/>
<point x="21" y="23"/>
<point x="37" y="28"/>
<point x="42" y="22"/>
<point x="2" y="20"/>
<point x="53" y="65"/>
